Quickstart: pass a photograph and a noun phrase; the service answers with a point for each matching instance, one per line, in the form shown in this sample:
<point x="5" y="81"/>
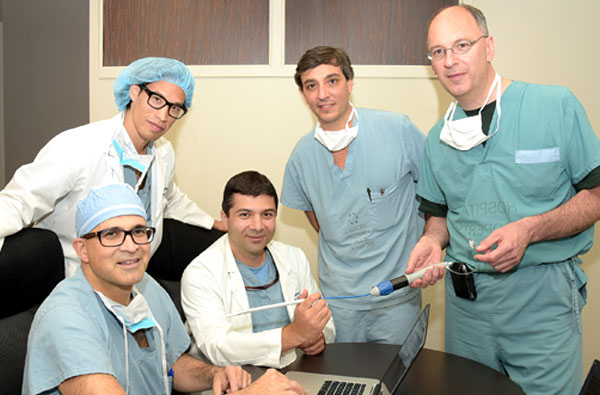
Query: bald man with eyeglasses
<point x="511" y="188"/>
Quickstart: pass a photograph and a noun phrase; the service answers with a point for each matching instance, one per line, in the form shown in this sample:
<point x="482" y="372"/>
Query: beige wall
<point x="252" y="122"/>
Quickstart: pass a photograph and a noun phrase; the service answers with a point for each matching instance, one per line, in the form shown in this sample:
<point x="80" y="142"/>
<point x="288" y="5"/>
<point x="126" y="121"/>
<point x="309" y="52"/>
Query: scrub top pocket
<point x="385" y="204"/>
<point x="539" y="180"/>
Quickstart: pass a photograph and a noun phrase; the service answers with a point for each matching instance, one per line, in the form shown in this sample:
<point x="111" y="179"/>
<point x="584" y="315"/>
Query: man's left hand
<point x="314" y="346"/>
<point x="511" y="241"/>
<point x="230" y="379"/>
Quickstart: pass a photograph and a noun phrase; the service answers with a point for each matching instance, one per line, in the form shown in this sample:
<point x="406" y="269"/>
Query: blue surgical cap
<point x="106" y="202"/>
<point x="147" y="70"/>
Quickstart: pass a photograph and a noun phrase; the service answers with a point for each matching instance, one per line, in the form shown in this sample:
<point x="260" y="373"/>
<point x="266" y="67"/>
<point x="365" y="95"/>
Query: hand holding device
<point x="387" y="287"/>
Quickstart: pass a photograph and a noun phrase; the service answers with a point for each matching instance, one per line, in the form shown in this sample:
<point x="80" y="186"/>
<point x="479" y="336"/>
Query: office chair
<point x="591" y="386"/>
<point x="31" y="264"/>
<point x="180" y="244"/>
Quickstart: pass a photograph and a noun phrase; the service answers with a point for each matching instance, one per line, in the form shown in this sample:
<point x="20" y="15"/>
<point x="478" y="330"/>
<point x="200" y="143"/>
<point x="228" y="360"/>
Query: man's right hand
<point x="273" y="383"/>
<point x="426" y="252"/>
<point x="310" y="318"/>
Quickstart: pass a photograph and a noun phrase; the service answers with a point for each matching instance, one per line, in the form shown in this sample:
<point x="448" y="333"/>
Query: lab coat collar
<point x="111" y="152"/>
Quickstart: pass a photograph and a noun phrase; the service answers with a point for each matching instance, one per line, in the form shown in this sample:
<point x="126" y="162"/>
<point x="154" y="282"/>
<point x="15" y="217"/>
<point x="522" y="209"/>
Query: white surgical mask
<point x="135" y="316"/>
<point x="338" y="139"/>
<point x="466" y="133"/>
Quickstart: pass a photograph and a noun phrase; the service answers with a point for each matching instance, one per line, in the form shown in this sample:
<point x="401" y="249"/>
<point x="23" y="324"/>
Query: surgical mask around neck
<point x="135" y="316"/>
<point x="338" y="139"/>
<point x="466" y="133"/>
<point x="128" y="155"/>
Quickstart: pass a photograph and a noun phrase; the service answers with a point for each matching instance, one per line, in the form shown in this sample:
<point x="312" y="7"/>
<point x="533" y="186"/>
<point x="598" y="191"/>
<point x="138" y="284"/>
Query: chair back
<point x="591" y="386"/>
<point x="31" y="264"/>
<point x="180" y="244"/>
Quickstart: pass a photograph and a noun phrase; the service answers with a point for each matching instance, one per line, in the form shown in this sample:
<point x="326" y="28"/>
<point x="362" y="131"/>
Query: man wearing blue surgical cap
<point x="151" y="93"/>
<point x="111" y="328"/>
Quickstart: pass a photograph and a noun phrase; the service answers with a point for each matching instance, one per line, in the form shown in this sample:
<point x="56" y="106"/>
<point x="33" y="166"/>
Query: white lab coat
<point x="212" y="286"/>
<point x="45" y="192"/>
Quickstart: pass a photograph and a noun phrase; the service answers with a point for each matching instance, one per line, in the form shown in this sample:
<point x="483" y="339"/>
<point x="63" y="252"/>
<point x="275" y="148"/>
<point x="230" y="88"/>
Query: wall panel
<point x="198" y="32"/>
<point x="373" y="32"/>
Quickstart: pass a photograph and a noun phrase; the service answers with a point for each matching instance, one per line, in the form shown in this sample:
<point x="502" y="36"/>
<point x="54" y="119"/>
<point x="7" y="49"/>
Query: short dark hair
<point x="324" y="55"/>
<point x="250" y="183"/>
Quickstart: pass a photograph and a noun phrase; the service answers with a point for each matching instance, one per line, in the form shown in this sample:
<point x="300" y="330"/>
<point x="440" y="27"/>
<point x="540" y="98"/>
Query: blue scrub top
<point x="267" y="273"/>
<point x="74" y="334"/>
<point x="367" y="212"/>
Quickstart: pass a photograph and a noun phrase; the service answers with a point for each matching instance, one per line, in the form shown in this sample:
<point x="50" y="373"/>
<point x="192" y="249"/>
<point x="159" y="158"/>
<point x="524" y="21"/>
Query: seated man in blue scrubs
<point x="355" y="177"/>
<point x="111" y="329"/>
<point x="244" y="269"/>
<point x="511" y="187"/>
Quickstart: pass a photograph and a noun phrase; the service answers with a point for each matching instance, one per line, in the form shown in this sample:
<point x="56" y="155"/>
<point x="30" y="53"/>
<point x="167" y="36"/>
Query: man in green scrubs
<point x="510" y="187"/>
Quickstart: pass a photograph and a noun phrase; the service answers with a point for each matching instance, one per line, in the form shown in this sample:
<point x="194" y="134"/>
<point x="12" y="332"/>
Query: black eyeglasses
<point x="266" y="286"/>
<point x="157" y="101"/>
<point x="115" y="237"/>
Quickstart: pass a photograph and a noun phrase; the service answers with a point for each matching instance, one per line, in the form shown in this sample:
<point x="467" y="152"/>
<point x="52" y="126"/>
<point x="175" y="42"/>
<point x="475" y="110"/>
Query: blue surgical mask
<point x="132" y="159"/>
<point x="128" y="155"/>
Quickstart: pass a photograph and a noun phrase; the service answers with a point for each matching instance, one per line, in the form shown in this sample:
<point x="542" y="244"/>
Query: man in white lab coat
<point x="246" y="269"/>
<point x="151" y="93"/>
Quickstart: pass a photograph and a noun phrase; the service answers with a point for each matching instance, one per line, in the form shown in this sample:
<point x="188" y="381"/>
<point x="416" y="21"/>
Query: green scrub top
<point x="544" y="146"/>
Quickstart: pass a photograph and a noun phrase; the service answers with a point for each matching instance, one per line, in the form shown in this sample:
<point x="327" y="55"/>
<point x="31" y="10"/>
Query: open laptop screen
<point x="408" y="352"/>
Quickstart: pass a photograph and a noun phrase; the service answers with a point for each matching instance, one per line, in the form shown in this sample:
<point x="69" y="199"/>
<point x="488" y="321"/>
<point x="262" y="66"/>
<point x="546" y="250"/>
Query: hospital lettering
<point x="478" y="229"/>
<point x="492" y="207"/>
<point x="360" y="229"/>
<point x="361" y="244"/>
<point x="359" y="236"/>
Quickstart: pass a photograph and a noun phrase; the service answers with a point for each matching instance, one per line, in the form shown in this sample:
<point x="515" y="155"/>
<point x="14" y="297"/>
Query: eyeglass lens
<point x="115" y="237"/>
<point x="157" y="102"/>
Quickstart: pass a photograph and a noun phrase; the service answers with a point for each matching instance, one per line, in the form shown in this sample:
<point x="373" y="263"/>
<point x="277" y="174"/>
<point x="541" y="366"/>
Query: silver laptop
<point x="318" y="383"/>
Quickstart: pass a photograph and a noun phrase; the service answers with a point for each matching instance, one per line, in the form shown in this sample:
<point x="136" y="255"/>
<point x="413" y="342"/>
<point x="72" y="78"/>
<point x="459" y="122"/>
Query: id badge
<point x="462" y="281"/>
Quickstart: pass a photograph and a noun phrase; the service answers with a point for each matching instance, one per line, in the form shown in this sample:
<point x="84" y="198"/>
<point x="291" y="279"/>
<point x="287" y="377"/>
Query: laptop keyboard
<point x="341" y="388"/>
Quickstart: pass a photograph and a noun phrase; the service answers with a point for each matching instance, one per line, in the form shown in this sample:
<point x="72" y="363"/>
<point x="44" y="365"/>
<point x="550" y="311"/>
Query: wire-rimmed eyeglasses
<point x="461" y="47"/>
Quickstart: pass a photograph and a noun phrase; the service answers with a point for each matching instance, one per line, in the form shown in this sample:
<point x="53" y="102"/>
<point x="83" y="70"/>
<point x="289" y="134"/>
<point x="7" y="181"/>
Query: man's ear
<point x="80" y="249"/>
<point x="134" y="92"/>
<point x="350" y="85"/>
<point x="223" y="216"/>
<point x="490" y="49"/>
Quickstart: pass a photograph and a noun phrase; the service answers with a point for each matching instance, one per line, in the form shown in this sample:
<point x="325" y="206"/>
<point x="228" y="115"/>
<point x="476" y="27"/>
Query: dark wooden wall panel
<point x="197" y="32"/>
<point x="373" y="32"/>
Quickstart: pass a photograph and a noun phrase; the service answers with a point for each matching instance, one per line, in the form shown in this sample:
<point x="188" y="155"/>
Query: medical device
<point x="293" y="302"/>
<point x="381" y="289"/>
<point x="389" y="286"/>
